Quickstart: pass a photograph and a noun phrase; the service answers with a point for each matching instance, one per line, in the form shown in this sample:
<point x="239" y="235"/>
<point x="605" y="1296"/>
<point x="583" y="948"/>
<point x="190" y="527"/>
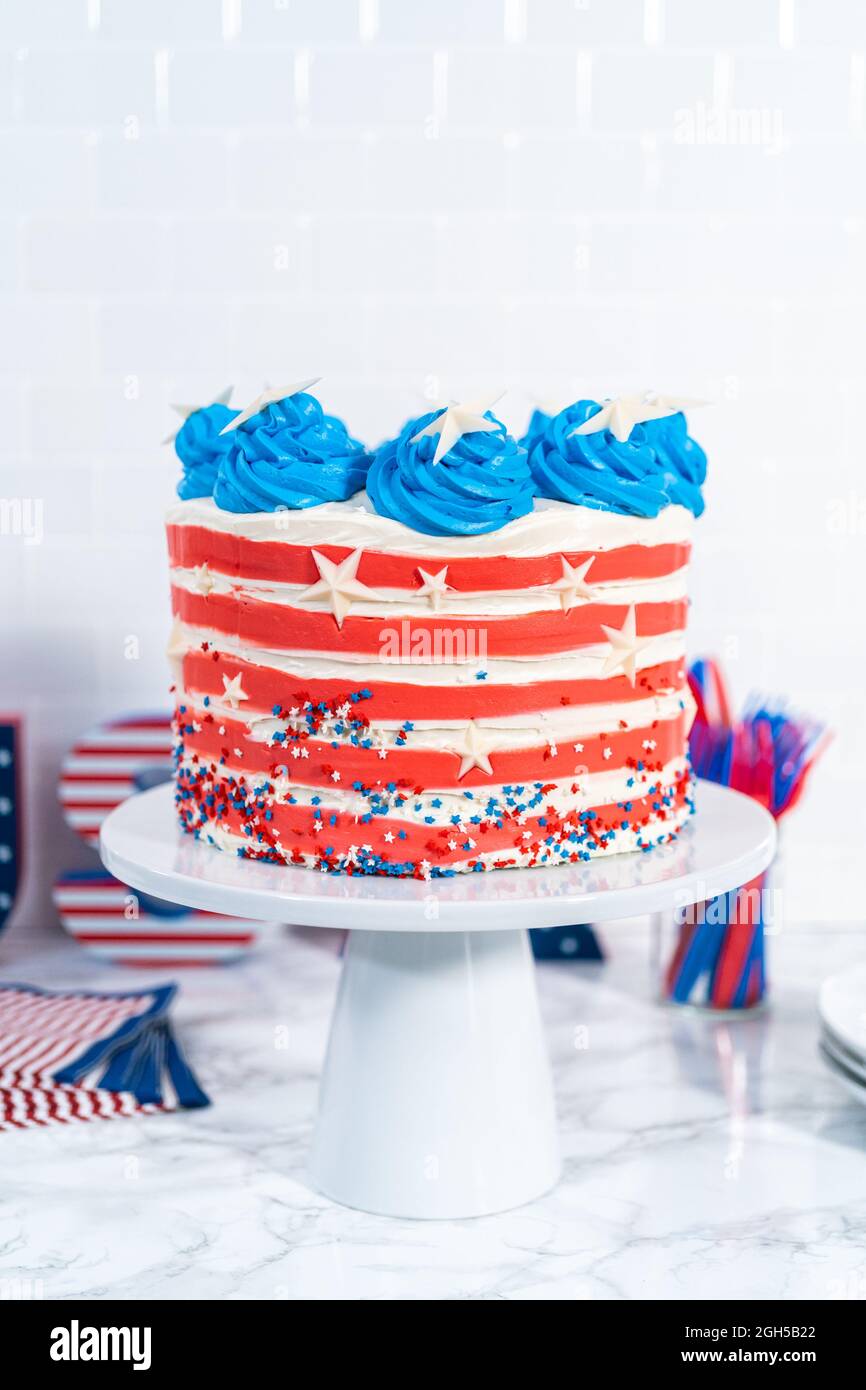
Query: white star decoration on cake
<point x="475" y="750"/>
<point x="203" y="580"/>
<point x="572" y="586"/>
<point x="233" y="692"/>
<point x="624" y="647"/>
<point x="434" y="587"/>
<point x="671" y="405"/>
<point x="184" y="411"/>
<point x="339" y="583"/>
<point x="621" y="414"/>
<point x="455" y="421"/>
<point x="269" y="397"/>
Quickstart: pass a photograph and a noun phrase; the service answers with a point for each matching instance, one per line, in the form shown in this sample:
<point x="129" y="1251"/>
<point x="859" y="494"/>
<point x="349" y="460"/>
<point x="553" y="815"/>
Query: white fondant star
<point x="621" y="414"/>
<point x="434" y="587"/>
<point x="269" y="397"/>
<point x="572" y="585"/>
<point x="203" y="580"/>
<point x="672" y="405"/>
<point x="339" y="583"/>
<point x="624" y="647"/>
<point x="455" y="421"/>
<point x="475" y="751"/>
<point x="233" y="692"/>
<point x="184" y="411"/>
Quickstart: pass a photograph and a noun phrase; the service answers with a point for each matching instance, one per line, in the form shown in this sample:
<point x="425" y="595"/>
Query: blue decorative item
<point x="10" y="832"/>
<point x="565" y="943"/>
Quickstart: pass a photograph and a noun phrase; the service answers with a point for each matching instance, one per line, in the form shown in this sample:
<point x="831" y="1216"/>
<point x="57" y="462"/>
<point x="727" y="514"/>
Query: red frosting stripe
<point x="429" y="768"/>
<point x="294" y="564"/>
<point x="403" y="699"/>
<point x="536" y="634"/>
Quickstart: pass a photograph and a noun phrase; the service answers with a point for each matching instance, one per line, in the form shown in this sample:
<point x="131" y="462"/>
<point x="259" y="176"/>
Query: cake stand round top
<point x="728" y="842"/>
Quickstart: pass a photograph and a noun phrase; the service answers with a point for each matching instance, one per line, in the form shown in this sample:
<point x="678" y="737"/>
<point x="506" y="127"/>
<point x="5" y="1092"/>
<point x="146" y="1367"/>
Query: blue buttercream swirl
<point x="681" y="457"/>
<point x="481" y="484"/>
<point x="200" y="447"/>
<point x="291" y="454"/>
<point x="538" y="422"/>
<point x="657" y="465"/>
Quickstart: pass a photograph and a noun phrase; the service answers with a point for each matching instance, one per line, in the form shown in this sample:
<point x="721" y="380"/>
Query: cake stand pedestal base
<point x="436" y="1098"/>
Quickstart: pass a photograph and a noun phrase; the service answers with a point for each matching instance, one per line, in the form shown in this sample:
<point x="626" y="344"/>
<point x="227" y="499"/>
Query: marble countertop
<point x="703" y="1158"/>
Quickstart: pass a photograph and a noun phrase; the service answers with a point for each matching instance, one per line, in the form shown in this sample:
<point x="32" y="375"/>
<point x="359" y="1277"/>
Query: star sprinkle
<point x="434" y="587"/>
<point x="625" y="646"/>
<point x="233" y="693"/>
<point x="203" y="580"/>
<point x="572" y="586"/>
<point x="455" y="421"/>
<point x="621" y="414"/>
<point x="269" y="397"/>
<point x="339" y="583"/>
<point x="184" y="411"/>
<point x="475" y="751"/>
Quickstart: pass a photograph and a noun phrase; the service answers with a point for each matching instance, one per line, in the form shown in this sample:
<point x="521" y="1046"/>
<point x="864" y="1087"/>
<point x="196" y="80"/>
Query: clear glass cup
<point x="711" y="955"/>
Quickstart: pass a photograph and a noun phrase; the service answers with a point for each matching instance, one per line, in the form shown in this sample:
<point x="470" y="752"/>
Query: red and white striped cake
<point x="358" y="696"/>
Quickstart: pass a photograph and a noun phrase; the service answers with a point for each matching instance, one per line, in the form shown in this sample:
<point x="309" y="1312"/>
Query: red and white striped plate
<point x="118" y="924"/>
<point x="110" y="763"/>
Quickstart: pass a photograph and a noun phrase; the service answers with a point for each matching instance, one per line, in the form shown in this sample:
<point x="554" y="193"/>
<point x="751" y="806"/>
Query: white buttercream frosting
<point x="551" y="527"/>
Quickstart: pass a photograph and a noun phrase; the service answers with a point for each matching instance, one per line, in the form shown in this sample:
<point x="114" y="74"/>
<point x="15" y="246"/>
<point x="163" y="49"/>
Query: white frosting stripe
<point x="550" y="528"/>
<point x="586" y="663"/>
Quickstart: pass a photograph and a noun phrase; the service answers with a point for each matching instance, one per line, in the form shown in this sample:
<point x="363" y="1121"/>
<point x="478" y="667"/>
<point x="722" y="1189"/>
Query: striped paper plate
<point x="108" y="764"/>
<point x="130" y="928"/>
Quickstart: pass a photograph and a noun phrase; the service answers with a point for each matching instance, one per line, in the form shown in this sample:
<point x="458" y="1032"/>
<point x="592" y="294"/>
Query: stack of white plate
<point x="842" y="1008"/>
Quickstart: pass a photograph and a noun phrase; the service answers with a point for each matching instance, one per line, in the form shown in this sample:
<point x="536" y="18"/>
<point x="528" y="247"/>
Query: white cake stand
<point x="436" y="1097"/>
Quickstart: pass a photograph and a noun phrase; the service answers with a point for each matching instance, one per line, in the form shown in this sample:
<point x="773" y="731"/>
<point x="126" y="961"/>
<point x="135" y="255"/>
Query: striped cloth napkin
<point x="81" y="1055"/>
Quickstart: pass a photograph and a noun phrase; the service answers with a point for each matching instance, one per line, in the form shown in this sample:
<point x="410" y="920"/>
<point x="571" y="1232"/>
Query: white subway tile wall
<point x="418" y="200"/>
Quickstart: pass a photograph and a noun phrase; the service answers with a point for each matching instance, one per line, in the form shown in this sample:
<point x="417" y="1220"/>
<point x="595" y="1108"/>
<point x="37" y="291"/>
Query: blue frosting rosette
<point x="479" y="485"/>
<point x="538" y="422"/>
<point x="291" y="454"/>
<point x="681" y="457"/>
<point x="657" y="465"/>
<point x="200" y="447"/>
